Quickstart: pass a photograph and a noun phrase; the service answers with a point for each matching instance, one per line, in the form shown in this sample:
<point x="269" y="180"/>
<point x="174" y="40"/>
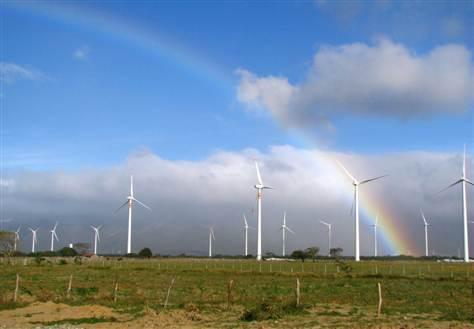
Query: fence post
<point x="69" y="287"/>
<point x="15" y="295"/>
<point x="230" y="286"/>
<point x="379" y="308"/>
<point x="297" y="292"/>
<point x="169" y="291"/>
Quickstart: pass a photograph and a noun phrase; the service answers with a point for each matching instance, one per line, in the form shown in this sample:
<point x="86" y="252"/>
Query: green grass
<point x="261" y="290"/>
<point x="91" y="320"/>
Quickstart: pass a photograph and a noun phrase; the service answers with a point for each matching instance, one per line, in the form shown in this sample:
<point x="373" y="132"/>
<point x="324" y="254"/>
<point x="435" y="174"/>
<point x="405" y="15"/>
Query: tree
<point x="145" y="253"/>
<point x="67" y="252"/>
<point x="7" y="243"/>
<point x="82" y="248"/>
<point x="336" y="252"/>
<point x="312" y="252"/>
<point x="299" y="254"/>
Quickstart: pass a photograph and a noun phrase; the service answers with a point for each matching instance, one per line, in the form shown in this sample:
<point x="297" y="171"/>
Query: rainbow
<point x="393" y="237"/>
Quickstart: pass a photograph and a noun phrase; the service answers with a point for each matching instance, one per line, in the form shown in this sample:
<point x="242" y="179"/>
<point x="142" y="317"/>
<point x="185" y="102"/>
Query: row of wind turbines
<point x="260" y="187"/>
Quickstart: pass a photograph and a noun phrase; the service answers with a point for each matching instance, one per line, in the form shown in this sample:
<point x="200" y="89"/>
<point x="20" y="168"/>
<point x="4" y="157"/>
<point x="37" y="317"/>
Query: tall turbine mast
<point x="463" y="180"/>
<point x="356" y="185"/>
<point x="17" y="238"/>
<point x="129" y="202"/>
<point x="53" y="236"/>
<point x="211" y="237"/>
<point x="375" y="234"/>
<point x="284" y="228"/>
<point x="426" y="224"/>
<point x="96" y="237"/>
<point x="260" y="187"/>
<point x="34" y="240"/>
<point x="329" y="226"/>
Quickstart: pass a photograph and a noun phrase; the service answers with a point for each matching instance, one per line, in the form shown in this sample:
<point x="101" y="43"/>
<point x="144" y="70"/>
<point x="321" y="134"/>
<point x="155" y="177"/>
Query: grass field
<point x="333" y="294"/>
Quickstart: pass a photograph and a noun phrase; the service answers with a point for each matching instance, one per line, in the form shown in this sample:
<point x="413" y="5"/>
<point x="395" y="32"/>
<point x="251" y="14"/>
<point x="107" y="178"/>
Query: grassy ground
<point x="332" y="294"/>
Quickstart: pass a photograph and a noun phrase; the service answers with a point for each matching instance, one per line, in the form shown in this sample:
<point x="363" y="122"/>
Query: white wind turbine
<point x="17" y="238"/>
<point x="260" y="187"/>
<point x="34" y="240"/>
<point x="283" y="227"/>
<point x="96" y="237"/>
<point x="246" y="232"/>
<point x="375" y="225"/>
<point x="53" y="236"/>
<point x="426" y="224"/>
<point x="463" y="180"/>
<point x="129" y="202"/>
<point x="211" y="237"/>
<point x="356" y="184"/>
<point x="329" y="226"/>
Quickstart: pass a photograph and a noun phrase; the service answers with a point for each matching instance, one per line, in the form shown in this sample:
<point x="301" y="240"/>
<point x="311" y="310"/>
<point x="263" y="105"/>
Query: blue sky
<point x="161" y="76"/>
<point x="185" y="95"/>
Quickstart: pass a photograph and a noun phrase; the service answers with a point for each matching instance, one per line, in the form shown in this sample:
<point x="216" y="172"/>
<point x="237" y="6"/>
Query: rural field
<point x="203" y="293"/>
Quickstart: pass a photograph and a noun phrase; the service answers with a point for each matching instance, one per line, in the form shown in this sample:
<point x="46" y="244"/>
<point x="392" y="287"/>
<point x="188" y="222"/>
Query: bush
<point x="67" y="252"/>
<point x="145" y="253"/>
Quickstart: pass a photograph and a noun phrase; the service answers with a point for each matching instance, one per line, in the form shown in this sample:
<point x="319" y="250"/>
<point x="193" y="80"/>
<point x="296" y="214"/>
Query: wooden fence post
<point x="15" y="295"/>
<point x="230" y="286"/>
<point x="169" y="291"/>
<point x="379" y="308"/>
<point x="69" y="287"/>
<point x="115" y="290"/>
<point x="297" y="292"/>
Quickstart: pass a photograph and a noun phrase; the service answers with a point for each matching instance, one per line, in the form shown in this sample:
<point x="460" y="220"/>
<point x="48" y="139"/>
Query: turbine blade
<point x="131" y="186"/>
<point x="446" y="188"/>
<point x="423" y="216"/>
<point x="259" y="178"/>
<point x="55" y="235"/>
<point x="98" y="235"/>
<point x="142" y="204"/>
<point x="464" y="163"/>
<point x="468" y="181"/>
<point x="372" y="179"/>
<point x="245" y="221"/>
<point x="289" y="230"/>
<point x="346" y="171"/>
<point x="125" y="203"/>
<point x="353" y="202"/>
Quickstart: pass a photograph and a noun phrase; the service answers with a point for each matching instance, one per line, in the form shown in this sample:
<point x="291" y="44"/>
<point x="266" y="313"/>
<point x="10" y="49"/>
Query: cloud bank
<point x="188" y="196"/>
<point x="384" y="80"/>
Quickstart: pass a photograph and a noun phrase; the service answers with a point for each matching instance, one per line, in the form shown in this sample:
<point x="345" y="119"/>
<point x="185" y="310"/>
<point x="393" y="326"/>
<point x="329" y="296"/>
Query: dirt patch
<point x="37" y="315"/>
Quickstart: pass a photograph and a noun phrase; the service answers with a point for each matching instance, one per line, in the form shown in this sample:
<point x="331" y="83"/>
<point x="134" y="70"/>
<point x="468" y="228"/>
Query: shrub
<point x="145" y="253"/>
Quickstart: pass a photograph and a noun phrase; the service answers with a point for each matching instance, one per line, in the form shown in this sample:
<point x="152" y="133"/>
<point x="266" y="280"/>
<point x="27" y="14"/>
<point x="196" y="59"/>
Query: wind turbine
<point x="283" y="228"/>
<point x="260" y="187"/>
<point x="53" y="236"/>
<point x="96" y="237"/>
<point x="356" y="184"/>
<point x="246" y="232"/>
<point x="329" y="226"/>
<point x="463" y="180"/>
<point x="211" y="237"/>
<point x="34" y="239"/>
<point x="426" y="224"/>
<point x="129" y="202"/>
<point x="375" y="234"/>
<point x="17" y="238"/>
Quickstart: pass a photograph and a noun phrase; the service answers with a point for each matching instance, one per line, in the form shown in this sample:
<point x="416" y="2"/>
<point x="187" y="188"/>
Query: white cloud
<point x="11" y="72"/>
<point x="385" y="79"/>
<point x="187" y="195"/>
<point x="82" y="53"/>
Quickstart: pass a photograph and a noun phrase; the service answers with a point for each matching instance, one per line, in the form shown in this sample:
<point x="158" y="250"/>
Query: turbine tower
<point x="246" y="232"/>
<point x="283" y="228"/>
<point x="17" y="238"/>
<point x="53" y="236"/>
<point x="463" y="180"/>
<point x="375" y="234"/>
<point x="426" y="224"/>
<point x="329" y="226"/>
<point x="260" y="187"/>
<point x="33" y="239"/>
<point x="211" y="237"/>
<point x="356" y="184"/>
<point x="96" y="237"/>
<point x="129" y="202"/>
